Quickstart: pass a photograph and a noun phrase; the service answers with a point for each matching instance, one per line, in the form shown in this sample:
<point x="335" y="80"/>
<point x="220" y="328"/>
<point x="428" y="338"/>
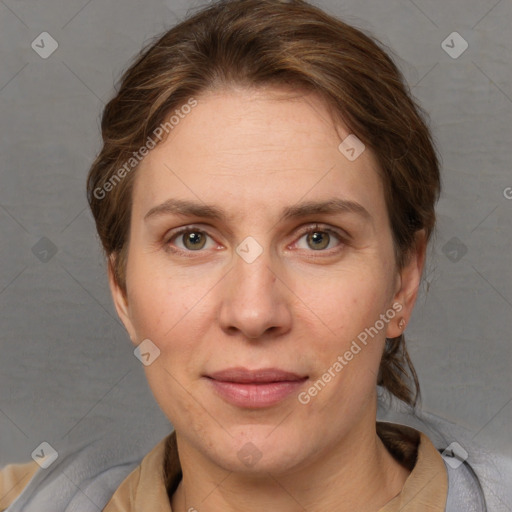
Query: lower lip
<point x="254" y="395"/>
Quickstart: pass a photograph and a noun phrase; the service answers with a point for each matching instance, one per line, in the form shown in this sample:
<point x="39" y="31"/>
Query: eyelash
<point x="194" y="229"/>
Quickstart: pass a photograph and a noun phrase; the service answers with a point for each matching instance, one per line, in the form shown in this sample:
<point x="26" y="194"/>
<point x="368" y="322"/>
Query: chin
<point x="260" y="449"/>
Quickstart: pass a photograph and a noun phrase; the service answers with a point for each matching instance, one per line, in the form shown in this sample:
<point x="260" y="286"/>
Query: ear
<point x="408" y="283"/>
<point x="120" y="299"/>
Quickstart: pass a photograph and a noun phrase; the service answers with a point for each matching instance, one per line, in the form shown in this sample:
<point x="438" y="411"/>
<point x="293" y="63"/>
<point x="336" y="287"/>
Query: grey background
<point x="65" y="359"/>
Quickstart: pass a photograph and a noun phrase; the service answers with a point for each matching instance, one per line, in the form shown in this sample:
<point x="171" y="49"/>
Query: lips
<point x="253" y="389"/>
<point x="263" y="375"/>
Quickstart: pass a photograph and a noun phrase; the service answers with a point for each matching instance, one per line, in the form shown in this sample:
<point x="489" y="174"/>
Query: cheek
<point x="158" y="300"/>
<point x="343" y="319"/>
<point x="343" y="303"/>
<point x="180" y="402"/>
<point x="172" y="313"/>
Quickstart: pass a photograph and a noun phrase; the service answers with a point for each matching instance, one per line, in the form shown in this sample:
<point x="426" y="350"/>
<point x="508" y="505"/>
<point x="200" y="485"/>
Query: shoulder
<point x="13" y="480"/>
<point x="85" y="475"/>
<point x="478" y="478"/>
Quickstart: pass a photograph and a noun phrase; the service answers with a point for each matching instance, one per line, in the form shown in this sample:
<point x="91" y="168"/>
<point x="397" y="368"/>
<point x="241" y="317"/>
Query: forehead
<point x="253" y="149"/>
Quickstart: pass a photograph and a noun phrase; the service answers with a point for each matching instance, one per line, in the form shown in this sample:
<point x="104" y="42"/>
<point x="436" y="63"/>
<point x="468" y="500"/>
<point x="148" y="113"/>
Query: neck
<point x="358" y="473"/>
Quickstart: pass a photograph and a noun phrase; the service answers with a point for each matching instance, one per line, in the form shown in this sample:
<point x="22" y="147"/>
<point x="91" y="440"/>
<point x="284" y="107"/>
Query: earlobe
<point x="120" y="299"/>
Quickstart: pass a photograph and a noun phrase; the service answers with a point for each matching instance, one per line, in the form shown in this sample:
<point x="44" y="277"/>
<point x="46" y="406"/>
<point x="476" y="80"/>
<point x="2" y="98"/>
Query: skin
<point x="252" y="153"/>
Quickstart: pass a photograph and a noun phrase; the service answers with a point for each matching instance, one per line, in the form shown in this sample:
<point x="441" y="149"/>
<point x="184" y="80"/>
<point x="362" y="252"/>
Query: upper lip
<point x="244" y="376"/>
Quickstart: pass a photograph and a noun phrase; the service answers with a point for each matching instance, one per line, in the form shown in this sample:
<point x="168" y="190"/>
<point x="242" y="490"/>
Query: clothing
<point x="100" y="476"/>
<point x="144" y="489"/>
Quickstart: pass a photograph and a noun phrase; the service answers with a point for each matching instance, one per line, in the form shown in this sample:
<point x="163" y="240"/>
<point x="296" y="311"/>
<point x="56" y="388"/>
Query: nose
<point x="255" y="301"/>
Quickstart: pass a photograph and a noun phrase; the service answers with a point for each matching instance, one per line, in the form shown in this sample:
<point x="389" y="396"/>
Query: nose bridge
<point x="253" y="278"/>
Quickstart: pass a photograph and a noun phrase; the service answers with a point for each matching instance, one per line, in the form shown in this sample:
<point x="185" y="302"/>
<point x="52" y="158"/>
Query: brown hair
<point x="265" y="43"/>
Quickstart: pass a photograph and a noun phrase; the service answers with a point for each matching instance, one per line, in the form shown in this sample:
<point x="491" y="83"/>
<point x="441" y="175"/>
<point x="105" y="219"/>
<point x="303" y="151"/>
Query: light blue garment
<point x="483" y="483"/>
<point x="86" y="475"/>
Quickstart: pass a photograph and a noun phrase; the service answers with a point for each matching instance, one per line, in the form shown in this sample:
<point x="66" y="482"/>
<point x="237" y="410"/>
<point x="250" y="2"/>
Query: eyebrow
<point x="194" y="209"/>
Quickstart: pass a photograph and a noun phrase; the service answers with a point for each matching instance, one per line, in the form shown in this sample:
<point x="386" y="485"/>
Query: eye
<point x="193" y="239"/>
<point x="320" y="238"/>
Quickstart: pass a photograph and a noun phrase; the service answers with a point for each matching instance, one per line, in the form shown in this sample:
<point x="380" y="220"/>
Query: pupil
<point x="320" y="240"/>
<point x="194" y="239"/>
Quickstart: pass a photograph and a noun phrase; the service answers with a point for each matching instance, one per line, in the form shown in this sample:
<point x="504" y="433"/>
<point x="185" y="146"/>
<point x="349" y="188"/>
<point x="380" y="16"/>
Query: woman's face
<point x="248" y="289"/>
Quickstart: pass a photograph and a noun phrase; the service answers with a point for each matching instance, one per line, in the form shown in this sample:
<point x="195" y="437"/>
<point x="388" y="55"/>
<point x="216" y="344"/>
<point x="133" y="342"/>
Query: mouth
<point x="255" y="389"/>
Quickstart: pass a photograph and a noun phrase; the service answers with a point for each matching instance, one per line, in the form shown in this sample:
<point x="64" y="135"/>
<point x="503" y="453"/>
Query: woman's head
<point x="275" y="107"/>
